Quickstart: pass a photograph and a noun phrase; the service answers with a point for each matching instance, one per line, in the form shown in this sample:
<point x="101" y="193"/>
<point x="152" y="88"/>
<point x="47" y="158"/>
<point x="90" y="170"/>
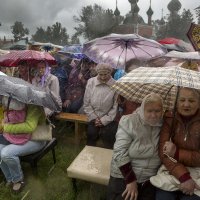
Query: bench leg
<point x="74" y="184"/>
<point x="54" y="155"/>
<point x="77" y="133"/>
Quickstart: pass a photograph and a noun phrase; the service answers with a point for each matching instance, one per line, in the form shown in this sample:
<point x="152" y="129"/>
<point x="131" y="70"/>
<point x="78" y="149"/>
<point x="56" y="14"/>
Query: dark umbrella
<point x="27" y="93"/>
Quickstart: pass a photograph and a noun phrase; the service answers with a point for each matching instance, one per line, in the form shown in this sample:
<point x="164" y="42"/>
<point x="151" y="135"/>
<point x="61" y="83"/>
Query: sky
<point x="37" y="13"/>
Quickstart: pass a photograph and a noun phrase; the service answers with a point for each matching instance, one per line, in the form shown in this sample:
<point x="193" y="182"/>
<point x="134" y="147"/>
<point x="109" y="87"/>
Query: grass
<point x="53" y="183"/>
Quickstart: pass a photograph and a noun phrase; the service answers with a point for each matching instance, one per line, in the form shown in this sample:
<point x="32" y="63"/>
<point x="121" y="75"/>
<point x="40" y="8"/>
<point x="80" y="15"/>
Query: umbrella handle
<point x="174" y="114"/>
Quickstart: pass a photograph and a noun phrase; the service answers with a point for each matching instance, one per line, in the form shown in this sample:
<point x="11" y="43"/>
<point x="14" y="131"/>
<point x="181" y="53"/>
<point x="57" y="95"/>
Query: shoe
<point x="17" y="187"/>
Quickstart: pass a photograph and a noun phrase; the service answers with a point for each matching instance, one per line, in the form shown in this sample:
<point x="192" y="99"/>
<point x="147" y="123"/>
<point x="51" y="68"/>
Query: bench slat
<point x="72" y="117"/>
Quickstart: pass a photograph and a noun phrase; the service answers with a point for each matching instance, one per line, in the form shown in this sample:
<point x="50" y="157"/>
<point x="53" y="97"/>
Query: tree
<point x="19" y="31"/>
<point x="94" y="22"/>
<point x="54" y="34"/>
<point x="197" y="11"/>
<point x="75" y="39"/>
<point x="175" y="26"/>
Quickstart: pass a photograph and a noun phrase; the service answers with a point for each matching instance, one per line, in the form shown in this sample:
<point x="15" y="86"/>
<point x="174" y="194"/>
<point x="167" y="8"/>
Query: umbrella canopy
<point x="73" y="51"/>
<point x="164" y="81"/>
<point x="13" y="58"/>
<point x="116" y="49"/>
<point x="176" y="44"/>
<point x="26" y="92"/>
<point x="188" y="60"/>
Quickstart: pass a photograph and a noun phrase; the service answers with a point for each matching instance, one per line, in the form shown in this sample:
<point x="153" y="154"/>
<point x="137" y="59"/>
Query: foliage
<point x="75" y="39"/>
<point x="95" y="22"/>
<point x="197" y="12"/>
<point x="55" y="34"/>
<point x="19" y="31"/>
<point x="175" y="25"/>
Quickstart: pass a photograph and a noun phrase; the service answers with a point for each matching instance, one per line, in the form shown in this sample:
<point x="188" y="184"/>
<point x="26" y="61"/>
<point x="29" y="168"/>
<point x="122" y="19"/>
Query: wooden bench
<point x="33" y="159"/>
<point x="77" y="119"/>
<point x="92" y="164"/>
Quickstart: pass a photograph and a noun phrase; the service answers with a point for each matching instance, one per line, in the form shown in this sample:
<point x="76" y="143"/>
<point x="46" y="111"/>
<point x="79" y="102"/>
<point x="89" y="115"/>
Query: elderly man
<point x="100" y="105"/>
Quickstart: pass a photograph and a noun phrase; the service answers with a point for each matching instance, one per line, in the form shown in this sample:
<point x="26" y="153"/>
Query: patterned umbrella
<point x="13" y="58"/>
<point x="27" y="93"/>
<point x="116" y="49"/>
<point x="164" y="81"/>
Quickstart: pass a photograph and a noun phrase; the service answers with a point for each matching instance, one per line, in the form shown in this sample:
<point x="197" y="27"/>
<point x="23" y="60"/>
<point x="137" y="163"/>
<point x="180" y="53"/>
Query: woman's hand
<point x="66" y="103"/>
<point x="98" y="122"/>
<point x="131" y="191"/>
<point x="169" y="148"/>
<point x="188" y="187"/>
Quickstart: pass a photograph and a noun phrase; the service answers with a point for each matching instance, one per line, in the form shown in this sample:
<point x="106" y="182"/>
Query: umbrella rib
<point x="141" y="50"/>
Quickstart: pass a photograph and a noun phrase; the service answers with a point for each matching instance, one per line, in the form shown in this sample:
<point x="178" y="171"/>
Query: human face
<point x="188" y="102"/>
<point x="41" y="67"/>
<point x="104" y="76"/>
<point x="153" y="112"/>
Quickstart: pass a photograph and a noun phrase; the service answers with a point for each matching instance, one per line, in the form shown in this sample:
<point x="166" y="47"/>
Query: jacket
<point x="35" y="116"/>
<point x="136" y="143"/>
<point x="186" y="137"/>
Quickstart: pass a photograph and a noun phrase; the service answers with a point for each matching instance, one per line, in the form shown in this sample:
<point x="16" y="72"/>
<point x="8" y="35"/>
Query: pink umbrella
<point x="116" y="49"/>
<point x="13" y="58"/>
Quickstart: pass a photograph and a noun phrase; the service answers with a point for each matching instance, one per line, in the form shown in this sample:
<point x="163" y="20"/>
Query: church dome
<point x="129" y="19"/>
<point x="150" y="11"/>
<point x="133" y="1"/>
<point x="174" y="5"/>
<point x="117" y="12"/>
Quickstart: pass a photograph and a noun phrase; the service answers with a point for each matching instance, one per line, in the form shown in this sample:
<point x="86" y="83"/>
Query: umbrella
<point x="13" y="58"/>
<point x="184" y="59"/>
<point x="116" y="49"/>
<point x="164" y="81"/>
<point x="26" y="92"/>
<point x="73" y="51"/>
<point x="176" y="44"/>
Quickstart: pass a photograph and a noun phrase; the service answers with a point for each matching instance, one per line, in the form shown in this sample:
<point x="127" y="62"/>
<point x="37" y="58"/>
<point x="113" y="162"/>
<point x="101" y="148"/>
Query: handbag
<point x="165" y="181"/>
<point x="43" y="132"/>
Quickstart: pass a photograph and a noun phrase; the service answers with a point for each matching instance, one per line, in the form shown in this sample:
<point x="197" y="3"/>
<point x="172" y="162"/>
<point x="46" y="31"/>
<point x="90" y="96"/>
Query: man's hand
<point x="131" y="191"/>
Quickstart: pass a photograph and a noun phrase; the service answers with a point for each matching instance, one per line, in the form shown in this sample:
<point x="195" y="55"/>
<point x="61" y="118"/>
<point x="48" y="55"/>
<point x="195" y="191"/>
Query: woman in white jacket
<point x="135" y="157"/>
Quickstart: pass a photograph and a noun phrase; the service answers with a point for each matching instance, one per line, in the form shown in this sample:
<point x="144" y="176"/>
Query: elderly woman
<point x="48" y="82"/>
<point x="100" y="105"/>
<point x="183" y="145"/>
<point x="135" y="156"/>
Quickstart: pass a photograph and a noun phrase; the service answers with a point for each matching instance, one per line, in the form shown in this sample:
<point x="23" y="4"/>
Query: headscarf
<point x="140" y="111"/>
<point x="46" y="73"/>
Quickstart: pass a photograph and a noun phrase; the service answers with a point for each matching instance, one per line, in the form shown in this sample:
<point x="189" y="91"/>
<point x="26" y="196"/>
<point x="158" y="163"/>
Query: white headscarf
<point x="140" y="111"/>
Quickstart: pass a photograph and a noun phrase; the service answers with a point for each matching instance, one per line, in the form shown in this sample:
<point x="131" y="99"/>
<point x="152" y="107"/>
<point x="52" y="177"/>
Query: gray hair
<point x="104" y="67"/>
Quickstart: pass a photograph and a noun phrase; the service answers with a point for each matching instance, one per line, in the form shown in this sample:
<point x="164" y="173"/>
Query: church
<point x="134" y="23"/>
